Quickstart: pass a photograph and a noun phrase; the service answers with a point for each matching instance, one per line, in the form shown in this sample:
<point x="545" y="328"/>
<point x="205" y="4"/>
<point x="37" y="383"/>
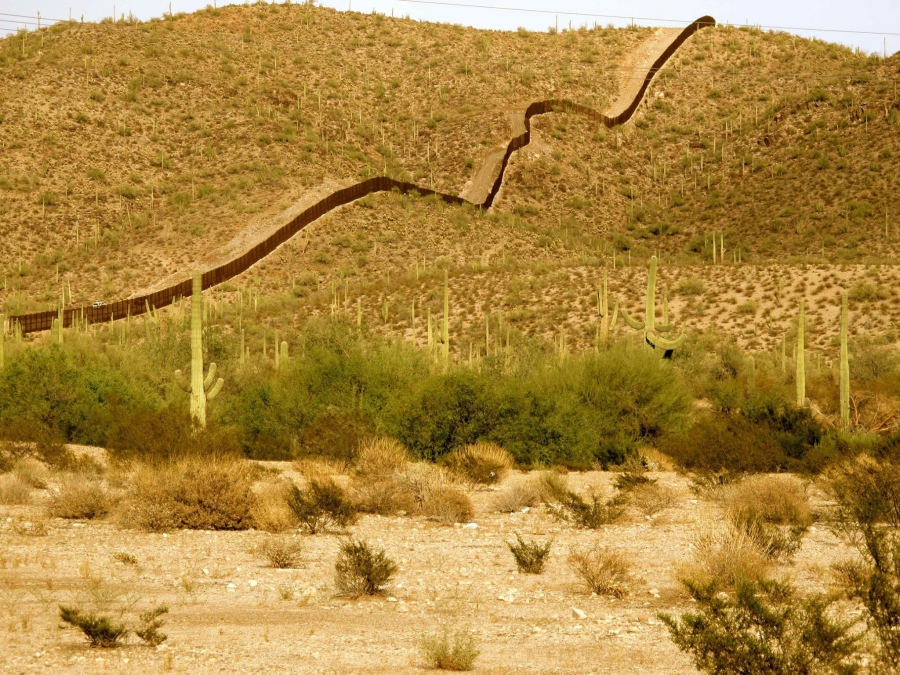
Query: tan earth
<point x="231" y="613"/>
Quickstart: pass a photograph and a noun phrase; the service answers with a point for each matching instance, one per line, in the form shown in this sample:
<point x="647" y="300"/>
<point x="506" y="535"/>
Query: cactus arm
<point x="845" y="365"/>
<point x="615" y="314"/>
<point x="181" y="382"/>
<point x="650" y="309"/>
<point x="664" y="328"/>
<point x="217" y="387"/>
<point x="658" y="342"/>
<point x="210" y="377"/>
<point x="634" y="323"/>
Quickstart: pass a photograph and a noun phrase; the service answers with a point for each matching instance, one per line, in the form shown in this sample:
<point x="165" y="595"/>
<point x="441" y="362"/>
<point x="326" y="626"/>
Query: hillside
<point x="785" y="148"/>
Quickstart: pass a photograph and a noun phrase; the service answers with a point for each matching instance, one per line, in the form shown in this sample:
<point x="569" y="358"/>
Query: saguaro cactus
<point x="201" y="389"/>
<point x="845" y="364"/>
<point x="649" y="326"/>
<point x="445" y="324"/>
<point x="801" y="360"/>
<point x="2" y="340"/>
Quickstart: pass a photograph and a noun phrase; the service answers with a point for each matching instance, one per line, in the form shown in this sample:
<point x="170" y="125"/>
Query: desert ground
<point x="230" y="612"/>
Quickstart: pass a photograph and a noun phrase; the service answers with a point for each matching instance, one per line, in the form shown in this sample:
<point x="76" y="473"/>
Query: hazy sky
<point x="864" y="15"/>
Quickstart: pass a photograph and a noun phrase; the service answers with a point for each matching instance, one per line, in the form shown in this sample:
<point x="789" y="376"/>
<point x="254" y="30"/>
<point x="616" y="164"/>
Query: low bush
<point x="651" y="498"/>
<point x="200" y="493"/>
<point x="381" y="457"/>
<point x="281" y="552"/>
<point x="80" y="497"/>
<point x="448" y="506"/>
<point x="601" y="570"/>
<point x="31" y="471"/>
<point x="150" y="625"/>
<point x="101" y="631"/>
<point x="384" y="495"/>
<point x="867" y="490"/>
<point x="446" y="651"/>
<point x="773" y="510"/>
<point x="323" y="504"/>
<point x="480" y="463"/>
<point x="592" y="514"/>
<point x="728" y="554"/>
<point x="361" y="570"/>
<point x="521" y="494"/>
<point x="551" y="485"/>
<point x="763" y="627"/>
<point x="14" y="490"/>
<point x="530" y="555"/>
<point x="270" y="510"/>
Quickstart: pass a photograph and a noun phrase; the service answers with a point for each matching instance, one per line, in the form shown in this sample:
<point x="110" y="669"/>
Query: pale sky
<point x="877" y="16"/>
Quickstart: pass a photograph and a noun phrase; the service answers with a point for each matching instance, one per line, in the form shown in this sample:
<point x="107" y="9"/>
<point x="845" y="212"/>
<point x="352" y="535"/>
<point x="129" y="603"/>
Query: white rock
<point x="392" y="599"/>
<point x="205" y="571"/>
<point x="252" y="583"/>
<point x="231" y="587"/>
<point x="470" y="526"/>
<point x="578" y="614"/>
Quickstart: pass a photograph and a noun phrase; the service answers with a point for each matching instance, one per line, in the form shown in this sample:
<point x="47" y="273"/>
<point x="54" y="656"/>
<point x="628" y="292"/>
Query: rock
<point x="578" y="614"/>
<point x="252" y="583"/>
<point x="392" y="599"/>
<point x="470" y="526"/>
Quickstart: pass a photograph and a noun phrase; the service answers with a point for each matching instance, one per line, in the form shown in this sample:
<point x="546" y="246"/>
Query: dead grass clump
<point x="781" y="500"/>
<point x="446" y="651"/>
<point x="520" y="495"/>
<point x="270" y="510"/>
<point x="281" y="552"/>
<point x="386" y="496"/>
<point x="14" y="490"/>
<point x="80" y="497"/>
<point x="480" y="463"/>
<point x="381" y="457"/>
<point x="651" y="498"/>
<point x="773" y="510"/>
<point x="448" y="506"/>
<point x="197" y="493"/>
<point x="313" y="468"/>
<point x="551" y="485"/>
<point x="602" y="570"/>
<point x="728" y="554"/>
<point x="32" y="471"/>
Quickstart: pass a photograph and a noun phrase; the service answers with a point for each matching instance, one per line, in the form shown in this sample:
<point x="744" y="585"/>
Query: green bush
<point x="763" y="628"/>
<point x="592" y="514"/>
<point x="530" y="555"/>
<point x="321" y="505"/>
<point x="101" y="631"/>
<point x="456" y="652"/>
<point x="360" y="570"/>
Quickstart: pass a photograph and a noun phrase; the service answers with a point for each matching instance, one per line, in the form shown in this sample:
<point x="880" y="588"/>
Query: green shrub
<point x="101" y="631"/>
<point x="592" y="514"/>
<point x="321" y="505"/>
<point x="360" y="570"/>
<point x="150" y="625"/>
<point x="763" y="628"/>
<point x="456" y="652"/>
<point x="530" y="555"/>
<point x="281" y="553"/>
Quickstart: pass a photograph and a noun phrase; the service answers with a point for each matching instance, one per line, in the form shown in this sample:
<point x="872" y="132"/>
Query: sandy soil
<point x="230" y="613"/>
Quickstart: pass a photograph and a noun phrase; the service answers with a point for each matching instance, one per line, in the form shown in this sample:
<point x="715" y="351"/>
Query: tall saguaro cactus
<point x="200" y="388"/>
<point x="801" y="360"/>
<point x="845" y="364"/>
<point x="2" y="340"/>
<point x="649" y="326"/>
<point x="445" y="324"/>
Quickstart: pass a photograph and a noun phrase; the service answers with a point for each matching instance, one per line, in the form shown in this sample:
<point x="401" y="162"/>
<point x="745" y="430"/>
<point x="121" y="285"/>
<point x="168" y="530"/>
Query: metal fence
<point x="39" y="321"/>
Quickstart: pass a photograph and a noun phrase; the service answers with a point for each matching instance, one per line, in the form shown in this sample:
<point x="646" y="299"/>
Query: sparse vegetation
<point x="323" y="504"/>
<point x="602" y="570"/>
<point x="530" y="555"/>
<point x="281" y="552"/>
<point x="450" y="650"/>
<point x="361" y="570"/>
<point x="100" y="631"/>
